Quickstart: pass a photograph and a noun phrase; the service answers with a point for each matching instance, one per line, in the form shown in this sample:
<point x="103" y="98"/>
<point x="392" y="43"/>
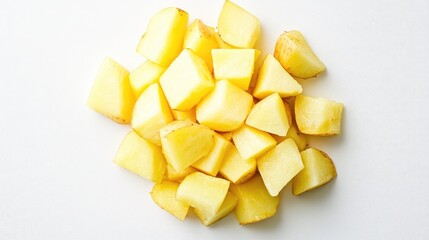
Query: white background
<point x="57" y="179"/>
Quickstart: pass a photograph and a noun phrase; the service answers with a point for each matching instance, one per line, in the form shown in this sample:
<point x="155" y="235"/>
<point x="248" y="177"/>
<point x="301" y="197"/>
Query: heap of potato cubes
<point x="212" y="134"/>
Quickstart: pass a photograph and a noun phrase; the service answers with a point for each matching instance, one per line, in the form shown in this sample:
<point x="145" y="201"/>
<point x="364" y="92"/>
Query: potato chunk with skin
<point x="235" y="168"/>
<point x="319" y="169"/>
<point x="296" y="56"/>
<point x="163" y="39"/>
<point x="279" y="165"/>
<point x="186" y="81"/>
<point x="227" y="207"/>
<point x="252" y="142"/>
<point x="254" y="202"/>
<point x="151" y="113"/>
<point x="203" y="192"/>
<point x="318" y="116"/>
<point x="144" y="75"/>
<point x="225" y="108"/>
<point x="272" y="78"/>
<point x="235" y="65"/>
<point x="111" y="93"/>
<point x="238" y="27"/>
<point x="141" y="157"/>
<point x="176" y="176"/>
<point x="211" y="163"/>
<point x="269" y="115"/>
<point x="164" y="195"/>
<point x="184" y="143"/>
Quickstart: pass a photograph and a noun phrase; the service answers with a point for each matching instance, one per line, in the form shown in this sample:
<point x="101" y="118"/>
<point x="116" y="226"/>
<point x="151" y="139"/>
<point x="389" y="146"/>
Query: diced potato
<point x="251" y="142"/>
<point x="141" y="157"/>
<point x="186" y="81"/>
<point x="111" y="93"/>
<point x="318" y="116"/>
<point x="144" y="75"/>
<point x="319" y="169"/>
<point x="201" y="39"/>
<point x="299" y="138"/>
<point x="211" y="163"/>
<point x="163" y="39"/>
<point x="225" y="108"/>
<point x="235" y="168"/>
<point x="203" y="192"/>
<point x="151" y="113"/>
<point x="269" y="115"/>
<point x="289" y="114"/>
<point x="222" y="44"/>
<point x="164" y="195"/>
<point x="272" y="78"/>
<point x="296" y="56"/>
<point x="235" y="65"/>
<point x="176" y="176"/>
<point x="254" y="202"/>
<point x="184" y="143"/>
<point x="278" y="166"/>
<point x="237" y="26"/>
<point x="227" y="206"/>
<point x="226" y="135"/>
<point x="184" y="115"/>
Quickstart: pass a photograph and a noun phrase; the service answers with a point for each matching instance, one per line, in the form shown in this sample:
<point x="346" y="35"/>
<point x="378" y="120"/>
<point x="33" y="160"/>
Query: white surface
<point x="57" y="180"/>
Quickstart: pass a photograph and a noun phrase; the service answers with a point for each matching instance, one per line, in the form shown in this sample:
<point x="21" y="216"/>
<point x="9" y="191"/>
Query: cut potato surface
<point x="144" y="75"/>
<point x="164" y="195"/>
<point x="211" y="163"/>
<point x="235" y="168"/>
<point x="176" y="176"/>
<point x="226" y="207"/>
<point x="251" y="142"/>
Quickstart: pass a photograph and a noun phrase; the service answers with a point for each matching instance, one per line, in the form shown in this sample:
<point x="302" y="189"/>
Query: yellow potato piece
<point x="141" y="157"/>
<point x="163" y="39"/>
<point x="252" y="142"/>
<point x="293" y="133"/>
<point x="211" y="163"/>
<point x="164" y="195"/>
<point x="144" y="75"/>
<point x="235" y="168"/>
<point x="111" y="93"/>
<point x="184" y="115"/>
<point x="176" y="176"/>
<point x="318" y="116"/>
<point x="227" y="206"/>
<point x="319" y="169"/>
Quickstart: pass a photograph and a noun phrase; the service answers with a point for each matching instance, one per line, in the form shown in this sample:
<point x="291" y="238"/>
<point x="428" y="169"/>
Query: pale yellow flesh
<point x="184" y="115"/>
<point x="254" y="202"/>
<point x="235" y="168"/>
<point x="225" y="108"/>
<point x="151" y="113"/>
<point x="319" y="169"/>
<point x="164" y="195"/>
<point x="111" y="93"/>
<point x="318" y="116"/>
<point x="203" y="192"/>
<point x="141" y="157"/>
<point x="227" y="206"/>
<point x="293" y="133"/>
<point x="144" y="75"/>
<point x="251" y="142"/>
<point x="238" y="27"/>
<point x="269" y="115"/>
<point x="211" y="163"/>
<point x="163" y="39"/>
<point x="186" y="81"/>
<point x="176" y="176"/>
<point x="296" y="56"/>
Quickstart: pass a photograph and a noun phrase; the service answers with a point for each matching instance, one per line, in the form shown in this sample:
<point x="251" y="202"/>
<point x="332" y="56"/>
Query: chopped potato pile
<point x="213" y="137"/>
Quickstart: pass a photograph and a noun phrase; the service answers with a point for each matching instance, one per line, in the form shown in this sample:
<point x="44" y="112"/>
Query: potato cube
<point x="254" y="202"/>
<point x="211" y="163"/>
<point x="201" y="39"/>
<point x="227" y="206"/>
<point x="186" y="81"/>
<point x="164" y="195"/>
<point x="141" y="157"/>
<point x="296" y="56"/>
<point x="225" y="108"/>
<point x="176" y="176"/>
<point x="318" y="116"/>
<point x="184" y="115"/>
<point x="184" y="143"/>
<point x="222" y="44"/>
<point x="163" y="39"/>
<point x="203" y="192"/>
<point x="235" y="65"/>
<point x="319" y="169"/>
<point x="279" y="165"/>
<point x="299" y="138"/>
<point x="111" y="93"/>
<point x="251" y="142"/>
<point x="235" y="168"/>
<point x="269" y="115"/>
<point x="144" y="75"/>
<point x="272" y="78"/>
<point x="151" y="113"/>
<point x="237" y="26"/>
